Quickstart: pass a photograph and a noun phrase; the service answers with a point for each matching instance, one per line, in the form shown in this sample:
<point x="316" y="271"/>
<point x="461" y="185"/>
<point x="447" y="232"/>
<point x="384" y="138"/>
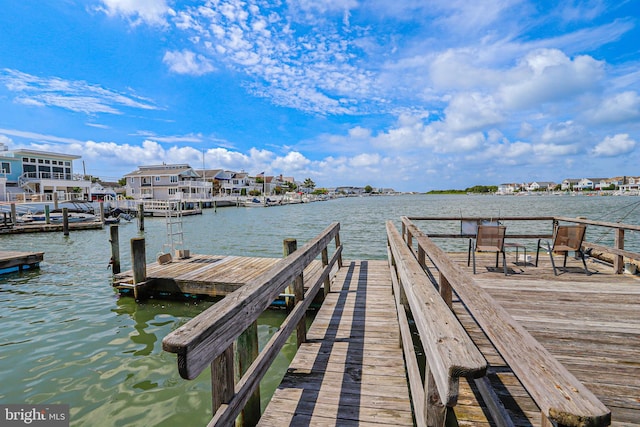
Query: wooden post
<point x="618" y="260"/>
<point x="141" y="217"/>
<point x="422" y="259"/>
<point x="47" y="215"/>
<point x="55" y="200"/>
<point x="288" y="247"/>
<point x="301" y="328"/>
<point x="246" y="353"/>
<point x="337" y="246"/>
<point x="65" y="221"/>
<point x="222" y="379"/>
<point x="138" y="260"/>
<point x="435" y="410"/>
<point x="445" y="290"/>
<point x="325" y="263"/>
<point x="102" y="212"/>
<point x="14" y="216"/>
<point x="115" y="249"/>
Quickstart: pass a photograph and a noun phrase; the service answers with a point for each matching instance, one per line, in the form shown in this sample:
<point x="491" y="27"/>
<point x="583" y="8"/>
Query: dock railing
<point x="449" y="351"/>
<point x="562" y="399"/>
<point x="208" y="339"/>
<point x="616" y="249"/>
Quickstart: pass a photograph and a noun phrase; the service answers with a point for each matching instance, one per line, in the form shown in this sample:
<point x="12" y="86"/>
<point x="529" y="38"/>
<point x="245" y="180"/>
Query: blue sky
<point x="409" y="94"/>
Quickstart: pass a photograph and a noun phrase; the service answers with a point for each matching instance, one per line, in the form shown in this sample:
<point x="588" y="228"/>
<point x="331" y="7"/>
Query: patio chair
<point x="490" y="238"/>
<point x="565" y="238"/>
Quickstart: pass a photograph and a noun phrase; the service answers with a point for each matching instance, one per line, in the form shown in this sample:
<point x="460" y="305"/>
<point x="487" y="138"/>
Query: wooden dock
<point x="205" y="275"/>
<point x="591" y="324"/>
<point x="350" y="370"/>
<point x="17" y="261"/>
<point x="41" y="228"/>
<point x="556" y="349"/>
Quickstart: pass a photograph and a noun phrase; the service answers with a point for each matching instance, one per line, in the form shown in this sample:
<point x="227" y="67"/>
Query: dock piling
<point x="141" y="217"/>
<point x="14" y="217"/>
<point x="138" y="260"/>
<point x="65" y="221"/>
<point x="115" y="249"/>
<point x="47" y="215"/>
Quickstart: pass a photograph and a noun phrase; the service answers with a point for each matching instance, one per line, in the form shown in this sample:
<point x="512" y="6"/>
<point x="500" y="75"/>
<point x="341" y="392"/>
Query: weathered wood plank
<point x="558" y="393"/>
<point x="347" y="376"/>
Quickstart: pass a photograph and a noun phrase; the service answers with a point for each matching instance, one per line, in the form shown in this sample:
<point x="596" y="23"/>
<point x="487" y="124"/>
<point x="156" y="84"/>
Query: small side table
<point x="518" y="246"/>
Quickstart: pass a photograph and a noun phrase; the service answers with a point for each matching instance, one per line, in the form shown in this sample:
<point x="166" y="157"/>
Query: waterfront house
<point x="541" y="186"/>
<point x="507" y="188"/>
<point x="569" y="184"/>
<point x="167" y="182"/>
<point x="30" y="175"/>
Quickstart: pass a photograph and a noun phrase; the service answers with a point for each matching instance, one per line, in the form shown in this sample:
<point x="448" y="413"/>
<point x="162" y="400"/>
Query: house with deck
<point x="168" y="182"/>
<point x="31" y="175"/>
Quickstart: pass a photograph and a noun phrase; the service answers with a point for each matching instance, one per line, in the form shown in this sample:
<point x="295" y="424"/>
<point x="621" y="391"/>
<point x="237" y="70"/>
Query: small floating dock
<point x="11" y="261"/>
<point x="202" y="275"/>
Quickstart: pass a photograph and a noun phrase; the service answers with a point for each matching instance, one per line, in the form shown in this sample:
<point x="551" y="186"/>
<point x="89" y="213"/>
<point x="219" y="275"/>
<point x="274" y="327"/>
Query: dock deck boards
<point x="212" y="275"/>
<point x="11" y="260"/>
<point x="351" y="370"/>
<point x="591" y="324"/>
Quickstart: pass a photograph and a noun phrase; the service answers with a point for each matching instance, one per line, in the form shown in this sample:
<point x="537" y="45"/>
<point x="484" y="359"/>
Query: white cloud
<point x="548" y="75"/>
<point x="612" y="146"/>
<point x="73" y="95"/>
<point x="152" y="12"/>
<point x="620" y="108"/>
<point x="187" y="62"/>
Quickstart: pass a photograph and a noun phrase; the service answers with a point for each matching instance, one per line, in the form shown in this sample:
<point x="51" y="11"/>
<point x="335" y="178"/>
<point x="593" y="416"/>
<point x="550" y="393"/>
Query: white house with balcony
<point x="168" y="182"/>
<point x="30" y="175"/>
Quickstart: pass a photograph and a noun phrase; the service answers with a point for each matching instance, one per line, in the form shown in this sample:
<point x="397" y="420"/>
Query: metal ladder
<point x="173" y="219"/>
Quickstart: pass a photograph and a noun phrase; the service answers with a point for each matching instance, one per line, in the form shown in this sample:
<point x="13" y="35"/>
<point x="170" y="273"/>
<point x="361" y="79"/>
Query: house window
<point x="172" y="191"/>
<point x="47" y="162"/>
<point x="131" y="180"/>
<point x="40" y="161"/>
<point x="6" y="167"/>
<point x="174" y="178"/>
<point x="67" y="163"/>
<point x="157" y="179"/>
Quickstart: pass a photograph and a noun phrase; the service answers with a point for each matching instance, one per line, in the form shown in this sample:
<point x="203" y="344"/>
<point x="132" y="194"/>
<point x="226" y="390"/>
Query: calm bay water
<point x="66" y="337"/>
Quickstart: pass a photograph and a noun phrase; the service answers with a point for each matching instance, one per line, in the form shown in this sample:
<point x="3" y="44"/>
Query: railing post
<point x="325" y="263"/>
<point x="422" y="260"/>
<point x="246" y="353"/>
<point x="222" y="379"/>
<point x="436" y="412"/>
<point x="301" y="328"/>
<point x="288" y="247"/>
<point x="618" y="260"/>
<point x="445" y="290"/>
<point x="337" y="246"/>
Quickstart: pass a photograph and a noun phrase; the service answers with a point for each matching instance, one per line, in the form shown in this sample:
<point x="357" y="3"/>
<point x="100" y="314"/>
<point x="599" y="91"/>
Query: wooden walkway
<point x="351" y="370"/>
<point x="15" y="261"/>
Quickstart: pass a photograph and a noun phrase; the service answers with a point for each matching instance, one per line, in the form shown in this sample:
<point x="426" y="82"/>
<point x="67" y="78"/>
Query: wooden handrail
<point x="558" y="394"/>
<point x="449" y="350"/>
<point x="207" y="340"/>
